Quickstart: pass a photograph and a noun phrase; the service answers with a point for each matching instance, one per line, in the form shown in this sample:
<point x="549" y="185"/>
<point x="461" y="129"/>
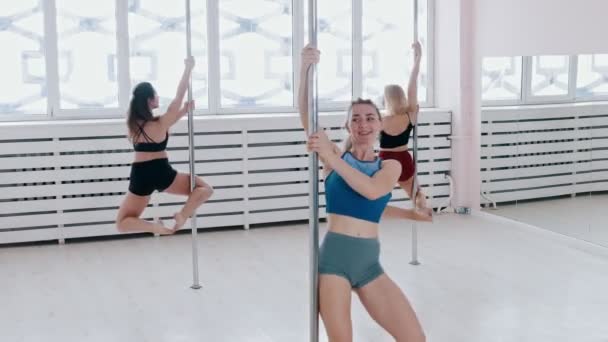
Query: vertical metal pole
<point x="313" y="169"/>
<point x="416" y="34"/>
<point x="195" y="282"/>
<point x="415" y="156"/>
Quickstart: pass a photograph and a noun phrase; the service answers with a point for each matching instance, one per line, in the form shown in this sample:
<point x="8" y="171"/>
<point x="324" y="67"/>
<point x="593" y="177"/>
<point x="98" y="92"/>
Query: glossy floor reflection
<point x="483" y="278"/>
<point x="583" y="217"/>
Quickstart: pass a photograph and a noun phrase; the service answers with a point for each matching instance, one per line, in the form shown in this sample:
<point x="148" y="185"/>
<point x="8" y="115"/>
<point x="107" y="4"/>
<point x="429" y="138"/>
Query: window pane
<point x="157" y="32"/>
<point x="22" y="64"/>
<point x="501" y="78"/>
<point x="550" y="75"/>
<point x="256" y="50"/>
<point x="423" y="36"/>
<point x="388" y="31"/>
<point x="86" y="38"/>
<point x="592" y="77"/>
<point x="334" y="35"/>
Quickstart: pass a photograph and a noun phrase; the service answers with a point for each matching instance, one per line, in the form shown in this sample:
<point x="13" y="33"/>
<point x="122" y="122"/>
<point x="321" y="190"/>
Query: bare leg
<point x="387" y="305"/>
<point x="181" y="186"/>
<point x="392" y="212"/>
<point x="127" y="219"/>
<point x="334" y="305"/>
<point x="420" y="196"/>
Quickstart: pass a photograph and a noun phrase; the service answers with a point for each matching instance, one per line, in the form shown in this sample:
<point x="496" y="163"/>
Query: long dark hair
<point x="139" y="111"/>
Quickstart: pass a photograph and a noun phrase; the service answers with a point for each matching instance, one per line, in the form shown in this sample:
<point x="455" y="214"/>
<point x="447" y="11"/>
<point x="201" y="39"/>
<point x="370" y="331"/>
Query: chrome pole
<point x="195" y="281"/>
<point x="313" y="169"/>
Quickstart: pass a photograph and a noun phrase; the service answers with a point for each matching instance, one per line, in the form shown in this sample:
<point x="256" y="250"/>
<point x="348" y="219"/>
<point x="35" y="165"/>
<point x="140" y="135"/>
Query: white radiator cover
<point x="65" y="179"/>
<point x="534" y="152"/>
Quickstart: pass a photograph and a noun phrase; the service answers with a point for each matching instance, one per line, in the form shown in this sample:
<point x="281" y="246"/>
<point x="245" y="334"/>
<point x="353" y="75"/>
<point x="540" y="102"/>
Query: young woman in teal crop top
<point x="357" y="186"/>
<point x="151" y="171"/>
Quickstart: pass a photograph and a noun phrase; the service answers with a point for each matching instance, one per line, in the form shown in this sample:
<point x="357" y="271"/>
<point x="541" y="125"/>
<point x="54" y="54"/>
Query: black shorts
<point x="147" y="176"/>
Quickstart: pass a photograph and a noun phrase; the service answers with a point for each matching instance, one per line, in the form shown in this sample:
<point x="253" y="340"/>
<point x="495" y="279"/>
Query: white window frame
<point x="526" y="97"/>
<point x="510" y="102"/>
<point x="357" y="83"/>
<point x="55" y="112"/>
<point x="430" y="61"/>
<point x="53" y="65"/>
<point x="592" y="98"/>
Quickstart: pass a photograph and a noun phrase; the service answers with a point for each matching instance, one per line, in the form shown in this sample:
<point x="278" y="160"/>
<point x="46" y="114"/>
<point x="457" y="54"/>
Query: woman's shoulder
<point x="155" y="130"/>
<point x="389" y="119"/>
<point x="396" y="123"/>
<point x="398" y="116"/>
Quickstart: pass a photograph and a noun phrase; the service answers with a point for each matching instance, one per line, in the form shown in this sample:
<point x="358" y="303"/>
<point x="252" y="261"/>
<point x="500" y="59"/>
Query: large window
<point x="378" y="52"/>
<point x="157" y="44"/>
<point x="335" y="39"/>
<point x="81" y="58"/>
<point x="501" y="78"/>
<point x="550" y="76"/>
<point x="256" y="49"/>
<point x="387" y="39"/>
<point x="23" y="82"/>
<point x="592" y="76"/>
<point x="86" y="45"/>
<point x="544" y="79"/>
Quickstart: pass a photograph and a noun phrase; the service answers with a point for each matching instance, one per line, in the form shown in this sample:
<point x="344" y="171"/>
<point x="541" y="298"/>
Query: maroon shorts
<point x="405" y="159"/>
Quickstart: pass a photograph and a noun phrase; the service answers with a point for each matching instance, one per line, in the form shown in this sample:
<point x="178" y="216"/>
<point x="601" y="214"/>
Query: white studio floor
<point x="582" y="217"/>
<point x="483" y="278"/>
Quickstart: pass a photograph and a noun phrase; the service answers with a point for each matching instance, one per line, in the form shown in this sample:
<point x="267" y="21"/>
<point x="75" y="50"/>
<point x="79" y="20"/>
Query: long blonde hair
<point x="395" y="100"/>
<point x="348" y="143"/>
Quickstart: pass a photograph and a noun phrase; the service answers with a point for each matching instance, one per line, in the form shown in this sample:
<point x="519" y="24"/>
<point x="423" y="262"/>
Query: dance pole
<point x="313" y="169"/>
<point x="195" y="282"/>
<point x="415" y="261"/>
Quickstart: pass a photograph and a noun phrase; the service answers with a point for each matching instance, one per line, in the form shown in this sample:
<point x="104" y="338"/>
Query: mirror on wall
<point x="544" y="153"/>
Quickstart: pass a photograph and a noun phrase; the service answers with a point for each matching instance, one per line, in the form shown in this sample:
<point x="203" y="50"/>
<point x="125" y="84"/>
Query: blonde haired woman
<point x="401" y="117"/>
<point x="358" y="188"/>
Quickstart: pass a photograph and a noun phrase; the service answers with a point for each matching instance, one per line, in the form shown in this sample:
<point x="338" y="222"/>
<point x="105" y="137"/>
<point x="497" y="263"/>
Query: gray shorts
<point x="355" y="259"/>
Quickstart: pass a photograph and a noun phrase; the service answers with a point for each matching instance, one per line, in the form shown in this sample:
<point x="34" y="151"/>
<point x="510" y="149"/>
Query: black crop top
<point x="150" y="145"/>
<point x="392" y="141"/>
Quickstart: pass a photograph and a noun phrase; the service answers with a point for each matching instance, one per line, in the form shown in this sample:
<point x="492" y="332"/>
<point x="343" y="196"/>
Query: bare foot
<point x="162" y="230"/>
<point x="424" y="215"/>
<point x="421" y="200"/>
<point x="428" y="211"/>
<point x="180" y="220"/>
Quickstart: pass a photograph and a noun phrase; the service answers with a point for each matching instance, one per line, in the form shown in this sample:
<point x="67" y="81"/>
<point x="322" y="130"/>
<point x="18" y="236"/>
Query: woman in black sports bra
<point x="151" y="170"/>
<point x="397" y="126"/>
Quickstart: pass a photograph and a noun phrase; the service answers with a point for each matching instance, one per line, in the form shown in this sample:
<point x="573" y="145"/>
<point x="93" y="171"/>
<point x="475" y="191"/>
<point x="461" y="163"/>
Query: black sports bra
<point x="150" y="145"/>
<point x="392" y="141"/>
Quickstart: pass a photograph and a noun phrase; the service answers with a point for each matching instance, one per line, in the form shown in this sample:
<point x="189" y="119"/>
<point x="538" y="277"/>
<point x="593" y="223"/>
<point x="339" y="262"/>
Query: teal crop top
<point x="341" y="199"/>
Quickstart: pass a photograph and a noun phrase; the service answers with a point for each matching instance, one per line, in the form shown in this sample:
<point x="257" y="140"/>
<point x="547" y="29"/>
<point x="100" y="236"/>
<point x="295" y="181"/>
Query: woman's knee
<point x="121" y="224"/>
<point x="202" y="193"/>
<point x="200" y="183"/>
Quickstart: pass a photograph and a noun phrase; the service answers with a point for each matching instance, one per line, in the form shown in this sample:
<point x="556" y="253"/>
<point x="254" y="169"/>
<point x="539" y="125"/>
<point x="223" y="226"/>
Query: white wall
<point x="456" y="82"/>
<point x="61" y="184"/>
<point x="467" y="30"/>
<point x="447" y="53"/>
<point x="535" y="27"/>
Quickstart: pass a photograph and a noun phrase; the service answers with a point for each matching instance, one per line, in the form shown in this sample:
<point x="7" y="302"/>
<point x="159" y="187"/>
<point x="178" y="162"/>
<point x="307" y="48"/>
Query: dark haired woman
<point x="151" y="170"/>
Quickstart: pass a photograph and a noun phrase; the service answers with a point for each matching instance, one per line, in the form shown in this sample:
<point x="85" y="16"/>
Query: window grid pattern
<point x="81" y="58"/>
